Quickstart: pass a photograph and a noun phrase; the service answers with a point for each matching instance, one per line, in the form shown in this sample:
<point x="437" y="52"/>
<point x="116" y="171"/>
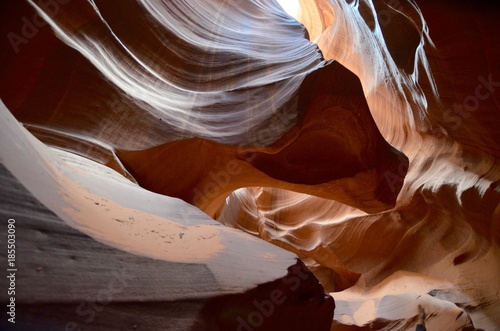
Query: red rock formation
<point x="306" y="159"/>
<point x="371" y="153"/>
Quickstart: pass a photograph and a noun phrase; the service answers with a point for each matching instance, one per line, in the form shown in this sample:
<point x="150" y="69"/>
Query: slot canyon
<point x="228" y="165"/>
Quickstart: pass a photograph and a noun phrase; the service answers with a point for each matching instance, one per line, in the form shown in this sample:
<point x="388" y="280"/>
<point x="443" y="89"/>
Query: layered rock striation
<point x="361" y="140"/>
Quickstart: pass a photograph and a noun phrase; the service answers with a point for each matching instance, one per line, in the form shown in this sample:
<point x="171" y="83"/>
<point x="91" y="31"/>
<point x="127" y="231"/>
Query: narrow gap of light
<point x="291" y="7"/>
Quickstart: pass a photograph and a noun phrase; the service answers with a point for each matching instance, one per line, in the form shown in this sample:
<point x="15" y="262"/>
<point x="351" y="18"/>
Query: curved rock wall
<point x="363" y="139"/>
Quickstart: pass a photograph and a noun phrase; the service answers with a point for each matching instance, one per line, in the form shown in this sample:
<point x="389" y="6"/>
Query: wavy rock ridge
<point x="363" y="140"/>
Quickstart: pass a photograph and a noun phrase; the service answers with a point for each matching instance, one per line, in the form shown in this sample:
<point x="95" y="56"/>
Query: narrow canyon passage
<point x="229" y="165"/>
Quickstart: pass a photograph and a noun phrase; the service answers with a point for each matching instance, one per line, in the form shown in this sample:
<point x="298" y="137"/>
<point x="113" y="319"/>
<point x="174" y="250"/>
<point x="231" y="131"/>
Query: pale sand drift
<point x="233" y="74"/>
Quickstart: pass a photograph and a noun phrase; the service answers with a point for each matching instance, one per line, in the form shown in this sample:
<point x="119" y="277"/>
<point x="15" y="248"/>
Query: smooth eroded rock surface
<point x="201" y="147"/>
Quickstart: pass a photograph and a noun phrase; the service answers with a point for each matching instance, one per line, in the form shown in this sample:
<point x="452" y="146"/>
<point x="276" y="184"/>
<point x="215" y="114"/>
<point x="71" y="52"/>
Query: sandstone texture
<point x="222" y="165"/>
